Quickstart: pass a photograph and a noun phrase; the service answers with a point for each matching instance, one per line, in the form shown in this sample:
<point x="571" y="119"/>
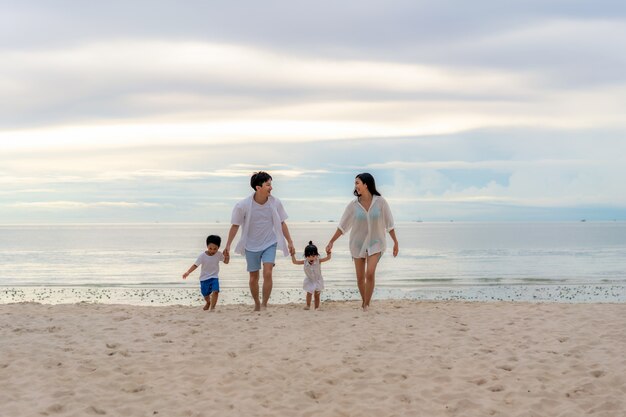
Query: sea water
<point x="144" y="263"/>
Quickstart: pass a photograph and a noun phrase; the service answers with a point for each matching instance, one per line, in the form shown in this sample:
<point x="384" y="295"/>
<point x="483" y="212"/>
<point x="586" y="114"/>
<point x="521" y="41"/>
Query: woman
<point x="369" y="217"/>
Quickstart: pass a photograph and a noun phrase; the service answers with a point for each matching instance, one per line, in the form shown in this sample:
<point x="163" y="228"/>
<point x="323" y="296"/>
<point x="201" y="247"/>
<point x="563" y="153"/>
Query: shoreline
<point x="164" y="296"/>
<point x="431" y="358"/>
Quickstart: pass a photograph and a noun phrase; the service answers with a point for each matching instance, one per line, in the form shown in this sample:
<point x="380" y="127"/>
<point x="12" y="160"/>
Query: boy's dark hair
<point x="215" y="239"/>
<point x="258" y="178"/>
<point x="367" y="179"/>
<point x="310" y="250"/>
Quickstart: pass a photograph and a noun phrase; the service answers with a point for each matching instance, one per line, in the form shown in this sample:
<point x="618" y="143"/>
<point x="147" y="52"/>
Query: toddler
<point x="313" y="280"/>
<point x="209" y="261"/>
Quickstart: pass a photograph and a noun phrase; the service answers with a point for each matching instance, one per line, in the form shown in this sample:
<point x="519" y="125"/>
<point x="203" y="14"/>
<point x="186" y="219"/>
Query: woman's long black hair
<point x="367" y="179"/>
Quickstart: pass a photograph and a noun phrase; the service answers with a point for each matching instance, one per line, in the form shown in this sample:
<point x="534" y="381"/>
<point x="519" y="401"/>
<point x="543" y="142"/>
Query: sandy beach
<point x="402" y="358"/>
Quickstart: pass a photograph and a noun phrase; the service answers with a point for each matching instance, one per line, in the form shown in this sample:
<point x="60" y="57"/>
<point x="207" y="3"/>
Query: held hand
<point x="185" y="275"/>
<point x="226" y="252"/>
<point x="329" y="247"/>
<point x="292" y="250"/>
<point x="396" y="249"/>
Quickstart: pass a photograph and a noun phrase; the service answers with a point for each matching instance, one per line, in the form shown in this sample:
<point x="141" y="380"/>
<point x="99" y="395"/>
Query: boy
<point x="209" y="261"/>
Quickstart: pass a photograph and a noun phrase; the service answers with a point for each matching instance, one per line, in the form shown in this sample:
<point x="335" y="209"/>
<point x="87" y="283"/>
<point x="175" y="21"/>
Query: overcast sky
<point x="161" y="110"/>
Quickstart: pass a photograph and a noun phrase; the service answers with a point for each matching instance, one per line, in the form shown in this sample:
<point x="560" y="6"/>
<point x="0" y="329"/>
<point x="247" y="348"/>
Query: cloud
<point x="496" y="165"/>
<point x="80" y="205"/>
<point x="189" y="81"/>
<point x="453" y="108"/>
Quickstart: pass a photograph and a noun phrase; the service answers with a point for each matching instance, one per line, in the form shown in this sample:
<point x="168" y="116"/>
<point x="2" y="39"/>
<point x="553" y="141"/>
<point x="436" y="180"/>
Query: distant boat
<point x="583" y="220"/>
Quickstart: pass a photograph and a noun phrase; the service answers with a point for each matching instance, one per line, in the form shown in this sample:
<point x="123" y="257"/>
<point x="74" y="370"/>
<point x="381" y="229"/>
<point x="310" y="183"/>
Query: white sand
<point x="403" y="358"/>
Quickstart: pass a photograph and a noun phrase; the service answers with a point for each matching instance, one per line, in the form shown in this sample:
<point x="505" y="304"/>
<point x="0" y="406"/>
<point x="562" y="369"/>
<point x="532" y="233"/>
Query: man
<point x="264" y="230"/>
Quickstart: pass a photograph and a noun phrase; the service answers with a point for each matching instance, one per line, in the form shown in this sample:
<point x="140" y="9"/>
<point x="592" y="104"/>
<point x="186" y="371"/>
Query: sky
<point x="159" y="111"/>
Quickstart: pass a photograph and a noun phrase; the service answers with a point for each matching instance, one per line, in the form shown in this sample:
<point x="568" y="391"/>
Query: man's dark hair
<point x="258" y="178"/>
<point x="215" y="239"/>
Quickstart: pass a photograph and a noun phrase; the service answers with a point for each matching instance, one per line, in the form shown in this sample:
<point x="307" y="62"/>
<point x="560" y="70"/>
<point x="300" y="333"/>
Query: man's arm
<point x="292" y="250"/>
<point x="231" y="236"/>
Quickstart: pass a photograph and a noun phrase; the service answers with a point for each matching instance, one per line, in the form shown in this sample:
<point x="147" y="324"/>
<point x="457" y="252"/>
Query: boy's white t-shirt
<point x="261" y="232"/>
<point x="209" y="265"/>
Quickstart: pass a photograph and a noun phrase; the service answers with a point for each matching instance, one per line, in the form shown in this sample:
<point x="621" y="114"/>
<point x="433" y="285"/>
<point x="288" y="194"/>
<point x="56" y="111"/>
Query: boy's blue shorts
<point x="254" y="259"/>
<point x="209" y="285"/>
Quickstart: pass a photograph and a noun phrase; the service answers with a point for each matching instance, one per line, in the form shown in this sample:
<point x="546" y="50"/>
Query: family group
<point x="261" y="217"/>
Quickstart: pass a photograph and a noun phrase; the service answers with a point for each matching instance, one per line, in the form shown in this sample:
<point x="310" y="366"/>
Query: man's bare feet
<point x="206" y="306"/>
<point x="257" y="307"/>
<point x="307" y="307"/>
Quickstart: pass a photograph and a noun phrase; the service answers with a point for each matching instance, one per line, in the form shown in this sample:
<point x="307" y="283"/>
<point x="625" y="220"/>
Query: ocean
<point x="144" y="263"/>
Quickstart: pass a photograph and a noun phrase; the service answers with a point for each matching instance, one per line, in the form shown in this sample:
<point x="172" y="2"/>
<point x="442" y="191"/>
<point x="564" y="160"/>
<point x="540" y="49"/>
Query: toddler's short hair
<point x="311" y="250"/>
<point x="215" y="239"/>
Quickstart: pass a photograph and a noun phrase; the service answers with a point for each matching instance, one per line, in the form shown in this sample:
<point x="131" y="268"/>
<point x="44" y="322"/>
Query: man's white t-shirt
<point x="241" y="217"/>
<point x="209" y="265"/>
<point x="261" y="233"/>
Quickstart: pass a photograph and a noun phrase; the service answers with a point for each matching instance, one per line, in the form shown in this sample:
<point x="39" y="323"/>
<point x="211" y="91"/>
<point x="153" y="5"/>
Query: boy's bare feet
<point x="307" y="307"/>
<point x="257" y="307"/>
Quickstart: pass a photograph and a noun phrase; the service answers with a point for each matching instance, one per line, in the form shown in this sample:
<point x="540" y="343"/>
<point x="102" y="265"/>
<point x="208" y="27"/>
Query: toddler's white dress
<point x="313" y="280"/>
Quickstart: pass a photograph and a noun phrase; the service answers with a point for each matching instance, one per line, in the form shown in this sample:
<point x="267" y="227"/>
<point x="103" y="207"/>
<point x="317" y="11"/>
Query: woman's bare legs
<point x="370" y="278"/>
<point x="359" y="265"/>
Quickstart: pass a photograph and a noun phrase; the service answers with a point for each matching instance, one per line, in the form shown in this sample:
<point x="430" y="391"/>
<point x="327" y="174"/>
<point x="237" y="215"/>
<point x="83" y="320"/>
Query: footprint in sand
<point x="54" y="408"/>
<point x="313" y="395"/>
<point x="135" y="390"/>
<point x="95" y="410"/>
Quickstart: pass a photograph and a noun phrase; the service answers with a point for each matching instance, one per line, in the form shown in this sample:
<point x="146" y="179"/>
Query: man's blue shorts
<point x="209" y="285"/>
<point x="266" y="256"/>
